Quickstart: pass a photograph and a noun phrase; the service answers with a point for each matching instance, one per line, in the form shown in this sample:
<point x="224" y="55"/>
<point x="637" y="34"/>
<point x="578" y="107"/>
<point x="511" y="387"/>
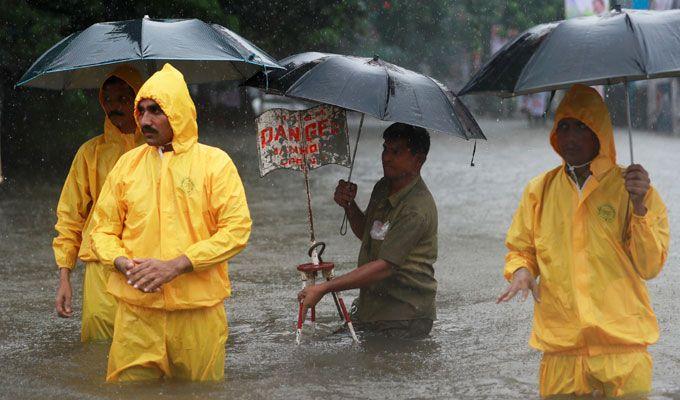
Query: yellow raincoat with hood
<point x="161" y="205"/>
<point x="92" y="163"/>
<point x="595" y="319"/>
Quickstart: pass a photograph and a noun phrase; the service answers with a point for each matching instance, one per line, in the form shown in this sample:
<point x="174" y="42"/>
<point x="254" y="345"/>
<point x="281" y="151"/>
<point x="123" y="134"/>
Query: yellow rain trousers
<point x="150" y="343"/>
<point x="99" y="306"/>
<point x="84" y="182"/>
<point x="611" y="375"/>
<point x="592" y="259"/>
<point x="188" y="201"/>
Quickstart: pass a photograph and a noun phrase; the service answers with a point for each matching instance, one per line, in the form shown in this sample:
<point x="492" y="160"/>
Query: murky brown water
<point x="477" y="349"/>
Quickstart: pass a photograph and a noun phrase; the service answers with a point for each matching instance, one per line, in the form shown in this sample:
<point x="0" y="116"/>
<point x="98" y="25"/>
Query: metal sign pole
<point x="630" y="146"/>
<point x="305" y="170"/>
<point x="630" y="126"/>
<point x="309" y="272"/>
<point x="1" y="104"/>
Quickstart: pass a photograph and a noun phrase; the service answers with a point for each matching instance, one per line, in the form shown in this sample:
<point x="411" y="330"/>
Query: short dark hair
<point x="417" y="139"/>
<point x="113" y="80"/>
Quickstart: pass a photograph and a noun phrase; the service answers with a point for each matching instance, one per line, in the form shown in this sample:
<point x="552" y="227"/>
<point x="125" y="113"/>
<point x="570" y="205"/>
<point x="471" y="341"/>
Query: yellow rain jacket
<point x="188" y="201"/>
<point x="592" y="282"/>
<point x="92" y="163"/>
<point x="89" y="169"/>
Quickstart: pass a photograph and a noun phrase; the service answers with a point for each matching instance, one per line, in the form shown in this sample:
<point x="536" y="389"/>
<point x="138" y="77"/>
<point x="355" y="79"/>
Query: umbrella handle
<point x="343" y="226"/>
<point x="319" y="252"/>
<point x="547" y="106"/>
<point x="630" y="125"/>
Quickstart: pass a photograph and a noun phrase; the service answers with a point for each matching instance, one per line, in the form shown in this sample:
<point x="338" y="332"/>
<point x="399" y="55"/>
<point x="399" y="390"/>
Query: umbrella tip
<point x="617" y="7"/>
<point x="146" y="16"/>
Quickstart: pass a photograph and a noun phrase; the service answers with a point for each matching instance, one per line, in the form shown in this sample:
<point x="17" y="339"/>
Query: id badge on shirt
<point x="379" y="230"/>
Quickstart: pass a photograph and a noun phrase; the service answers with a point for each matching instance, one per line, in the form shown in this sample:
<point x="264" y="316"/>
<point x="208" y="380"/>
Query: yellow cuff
<point x="513" y="266"/>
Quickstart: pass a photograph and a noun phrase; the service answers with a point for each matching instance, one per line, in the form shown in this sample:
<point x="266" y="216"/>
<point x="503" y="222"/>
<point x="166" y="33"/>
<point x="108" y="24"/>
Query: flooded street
<point x="477" y="349"/>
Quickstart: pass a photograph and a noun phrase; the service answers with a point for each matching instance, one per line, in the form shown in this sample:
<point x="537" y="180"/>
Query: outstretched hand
<point x="521" y="281"/>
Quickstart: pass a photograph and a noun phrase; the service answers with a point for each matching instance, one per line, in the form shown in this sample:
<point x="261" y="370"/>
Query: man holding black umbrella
<point x="593" y="232"/>
<point x="92" y="163"/>
<point x="398" y="233"/>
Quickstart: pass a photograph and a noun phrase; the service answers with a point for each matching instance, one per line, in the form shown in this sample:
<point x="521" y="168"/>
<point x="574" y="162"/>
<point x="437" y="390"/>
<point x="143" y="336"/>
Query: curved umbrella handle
<point x="319" y="252"/>
<point x="343" y="226"/>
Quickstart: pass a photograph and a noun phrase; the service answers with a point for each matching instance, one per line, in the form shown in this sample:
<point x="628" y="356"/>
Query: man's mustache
<point x="148" y="129"/>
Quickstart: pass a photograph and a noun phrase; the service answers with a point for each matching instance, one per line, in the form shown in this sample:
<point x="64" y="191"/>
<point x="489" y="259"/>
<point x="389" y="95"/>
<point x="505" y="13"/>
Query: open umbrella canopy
<point x="619" y="46"/>
<point x="499" y="75"/>
<point x="203" y="52"/>
<point x="371" y="86"/>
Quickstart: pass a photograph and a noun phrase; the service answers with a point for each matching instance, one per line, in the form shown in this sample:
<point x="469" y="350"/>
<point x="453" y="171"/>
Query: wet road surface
<point x="477" y="349"/>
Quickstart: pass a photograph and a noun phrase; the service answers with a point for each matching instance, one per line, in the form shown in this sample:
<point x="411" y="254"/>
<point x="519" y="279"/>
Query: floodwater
<point x="477" y="349"/>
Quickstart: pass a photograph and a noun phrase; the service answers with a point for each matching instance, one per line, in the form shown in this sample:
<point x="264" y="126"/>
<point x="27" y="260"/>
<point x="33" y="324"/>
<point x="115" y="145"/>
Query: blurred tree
<point x="430" y="32"/>
<point x="40" y="127"/>
<point x="449" y="39"/>
<point x="285" y="27"/>
<point x="416" y="35"/>
<point x="437" y="37"/>
<point x="28" y="28"/>
<point x="477" y="17"/>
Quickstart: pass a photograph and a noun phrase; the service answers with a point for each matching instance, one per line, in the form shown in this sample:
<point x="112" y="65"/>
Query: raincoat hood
<point x="586" y="105"/>
<point x="132" y="77"/>
<point x="168" y="88"/>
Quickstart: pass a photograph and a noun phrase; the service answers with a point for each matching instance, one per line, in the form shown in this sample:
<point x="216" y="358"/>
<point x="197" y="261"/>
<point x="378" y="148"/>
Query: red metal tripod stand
<point x="309" y="273"/>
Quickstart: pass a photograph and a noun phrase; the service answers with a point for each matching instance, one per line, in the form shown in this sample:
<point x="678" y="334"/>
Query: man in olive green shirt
<point x="398" y="233"/>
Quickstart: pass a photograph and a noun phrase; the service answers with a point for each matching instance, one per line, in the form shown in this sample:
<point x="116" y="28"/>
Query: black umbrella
<point x="499" y="75"/>
<point x="617" y="47"/>
<point x="371" y="86"/>
<point x="203" y="52"/>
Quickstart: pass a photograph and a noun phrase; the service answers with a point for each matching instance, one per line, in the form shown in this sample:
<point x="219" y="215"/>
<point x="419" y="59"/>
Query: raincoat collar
<point x="168" y="88"/>
<point x="586" y="105"/>
<point x="397" y="197"/>
<point x="111" y="132"/>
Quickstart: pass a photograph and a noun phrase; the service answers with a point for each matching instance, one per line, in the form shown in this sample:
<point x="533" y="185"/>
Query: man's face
<point x="398" y="161"/>
<point x="118" y="101"/>
<point x="576" y="143"/>
<point x="598" y="7"/>
<point x="154" y="123"/>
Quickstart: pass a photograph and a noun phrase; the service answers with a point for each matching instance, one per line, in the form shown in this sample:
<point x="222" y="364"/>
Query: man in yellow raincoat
<point x="592" y="233"/>
<point x="170" y="214"/>
<point x="89" y="169"/>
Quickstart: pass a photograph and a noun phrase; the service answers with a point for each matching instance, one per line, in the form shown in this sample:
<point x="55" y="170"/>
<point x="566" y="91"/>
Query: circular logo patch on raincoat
<point x="606" y="212"/>
<point x="187" y="185"/>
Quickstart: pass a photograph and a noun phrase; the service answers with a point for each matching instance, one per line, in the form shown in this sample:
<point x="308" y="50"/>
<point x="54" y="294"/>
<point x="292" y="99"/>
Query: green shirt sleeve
<point x="402" y="236"/>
